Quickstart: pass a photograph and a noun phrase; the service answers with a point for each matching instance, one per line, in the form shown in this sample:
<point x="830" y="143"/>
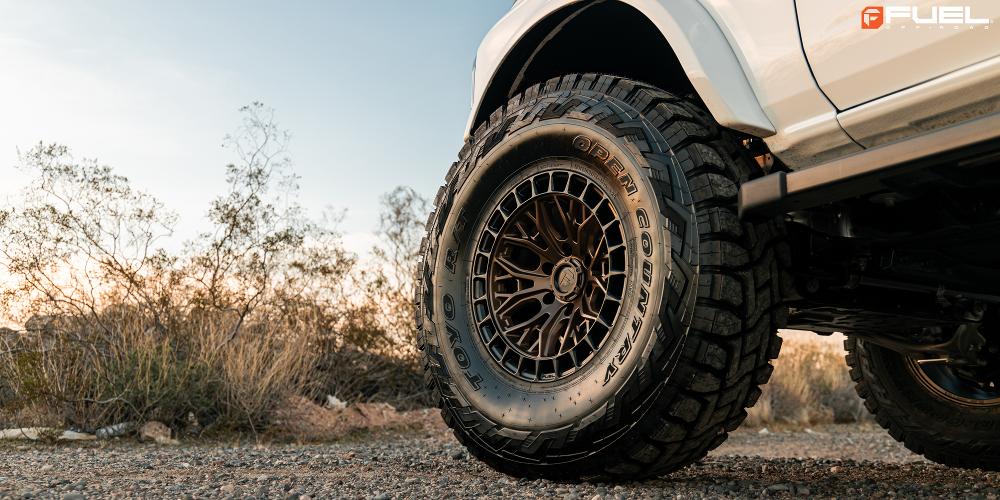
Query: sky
<point x="376" y="93"/>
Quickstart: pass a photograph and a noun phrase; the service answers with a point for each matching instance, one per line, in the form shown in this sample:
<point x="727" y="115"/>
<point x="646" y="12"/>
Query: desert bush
<point x="810" y="385"/>
<point x="261" y="307"/>
<point x="188" y="376"/>
<point x="122" y="330"/>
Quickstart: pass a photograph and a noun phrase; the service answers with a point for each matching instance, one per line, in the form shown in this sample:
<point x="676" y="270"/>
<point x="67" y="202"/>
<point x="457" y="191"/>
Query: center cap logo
<point x="566" y="281"/>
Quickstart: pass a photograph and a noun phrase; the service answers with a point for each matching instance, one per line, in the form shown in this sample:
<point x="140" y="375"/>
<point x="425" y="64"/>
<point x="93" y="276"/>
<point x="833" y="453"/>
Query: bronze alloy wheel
<point x="945" y="383"/>
<point x="548" y="275"/>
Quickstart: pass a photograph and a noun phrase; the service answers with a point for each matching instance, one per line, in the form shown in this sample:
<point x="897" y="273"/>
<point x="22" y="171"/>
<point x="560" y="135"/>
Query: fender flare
<point x="694" y="36"/>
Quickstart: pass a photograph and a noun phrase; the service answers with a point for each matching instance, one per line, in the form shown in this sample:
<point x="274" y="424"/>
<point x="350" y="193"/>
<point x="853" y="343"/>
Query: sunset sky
<point x="376" y="94"/>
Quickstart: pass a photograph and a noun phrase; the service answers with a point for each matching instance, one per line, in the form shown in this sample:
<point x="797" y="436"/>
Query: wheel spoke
<point x="528" y="324"/>
<point x="549" y="331"/>
<point x="596" y="281"/>
<point x="543" y="222"/>
<point x="519" y="298"/>
<point x="567" y="224"/>
<point x="587" y="309"/>
<point x="516" y="271"/>
<point x="568" y="330"/>
<point x="546" y="254"/>
<point x="593" y="249"/>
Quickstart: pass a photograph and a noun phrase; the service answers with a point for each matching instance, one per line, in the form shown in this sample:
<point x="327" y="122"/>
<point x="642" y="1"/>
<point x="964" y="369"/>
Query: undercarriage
<point x="913" y="268"/>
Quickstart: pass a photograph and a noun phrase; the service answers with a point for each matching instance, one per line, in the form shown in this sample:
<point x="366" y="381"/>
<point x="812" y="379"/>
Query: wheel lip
<point x="927" y="380"/>
<point x="495" y="201"/>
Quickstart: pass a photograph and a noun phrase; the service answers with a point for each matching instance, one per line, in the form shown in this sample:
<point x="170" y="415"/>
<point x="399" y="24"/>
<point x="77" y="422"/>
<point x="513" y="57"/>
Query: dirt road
<point x="841" y="461"/>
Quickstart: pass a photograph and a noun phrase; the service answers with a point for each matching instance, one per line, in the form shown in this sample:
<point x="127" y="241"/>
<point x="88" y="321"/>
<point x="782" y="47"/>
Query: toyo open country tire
<point x="600" y="212"/>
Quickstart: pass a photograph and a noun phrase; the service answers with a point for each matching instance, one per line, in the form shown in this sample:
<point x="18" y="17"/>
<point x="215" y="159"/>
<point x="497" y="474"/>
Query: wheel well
<point x="593" y="37"/>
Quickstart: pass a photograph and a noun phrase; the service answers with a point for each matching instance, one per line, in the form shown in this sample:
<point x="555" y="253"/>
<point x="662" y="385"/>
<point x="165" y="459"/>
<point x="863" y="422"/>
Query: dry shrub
<point x="189" y="378"/>
<point x="121" y="330"/>
<point x="810" y="385"/>
<point x="260" y="308"/>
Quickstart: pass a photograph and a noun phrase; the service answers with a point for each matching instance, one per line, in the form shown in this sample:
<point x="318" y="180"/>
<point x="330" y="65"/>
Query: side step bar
<point x="865" y="172"/>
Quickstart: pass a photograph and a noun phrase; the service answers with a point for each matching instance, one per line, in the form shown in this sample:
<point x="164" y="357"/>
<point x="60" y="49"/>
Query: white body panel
<point x="745" y="58"/>
<point x="959" y="96"/>
<point x="765" y="37"/>
<point x="854" y="66"/>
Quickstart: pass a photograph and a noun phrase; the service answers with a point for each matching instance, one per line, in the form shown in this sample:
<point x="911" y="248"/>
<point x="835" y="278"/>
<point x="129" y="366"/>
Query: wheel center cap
<point x="567" y="278"/>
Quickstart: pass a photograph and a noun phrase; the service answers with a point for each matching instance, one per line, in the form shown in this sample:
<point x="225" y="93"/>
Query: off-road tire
<point x="705" y="346"/>
<point x="946" y="433"/>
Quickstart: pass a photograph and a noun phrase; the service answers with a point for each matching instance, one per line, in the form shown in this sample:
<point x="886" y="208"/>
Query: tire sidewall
<point x="475" y="376"/>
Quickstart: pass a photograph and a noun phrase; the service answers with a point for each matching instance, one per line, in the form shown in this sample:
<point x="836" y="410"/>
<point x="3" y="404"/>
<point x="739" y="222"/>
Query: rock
<point x="764" y="431"/>
<point x="333" y="403"/>
<point x="777" y="488"/>
<point x="76" y="436"/>
<point x="44" y="434"/>
<point x="157" y="432"/>
<point x="835" y="469"/>
<point x="115" y="430"/>
<point x="193" y="427"/>
<point x="28" y="433"/>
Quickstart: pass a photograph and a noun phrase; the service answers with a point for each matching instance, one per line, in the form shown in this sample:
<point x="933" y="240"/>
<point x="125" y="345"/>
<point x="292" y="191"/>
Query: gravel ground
<point x="841" y="461"/>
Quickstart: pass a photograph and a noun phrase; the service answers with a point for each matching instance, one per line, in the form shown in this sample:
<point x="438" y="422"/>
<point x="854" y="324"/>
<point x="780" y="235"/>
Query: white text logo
<point x="875" y="17"/>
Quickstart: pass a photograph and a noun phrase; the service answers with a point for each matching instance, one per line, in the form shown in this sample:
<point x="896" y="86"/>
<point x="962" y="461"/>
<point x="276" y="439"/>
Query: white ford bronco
<point x="650" y="189"/>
